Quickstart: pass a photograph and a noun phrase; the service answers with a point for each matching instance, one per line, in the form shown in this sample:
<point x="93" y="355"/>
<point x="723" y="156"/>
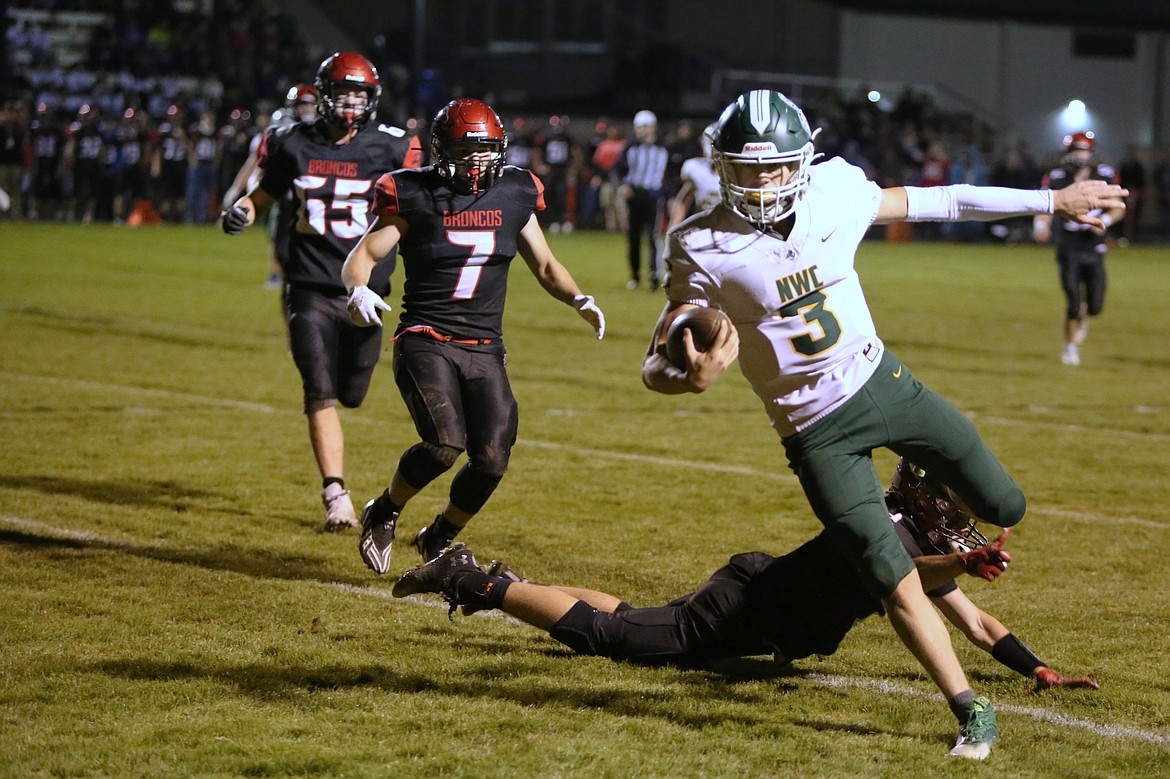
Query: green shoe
<point x="977" y="731"/>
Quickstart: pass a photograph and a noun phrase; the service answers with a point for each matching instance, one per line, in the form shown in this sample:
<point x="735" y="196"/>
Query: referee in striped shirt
<point x="642" y="172"/>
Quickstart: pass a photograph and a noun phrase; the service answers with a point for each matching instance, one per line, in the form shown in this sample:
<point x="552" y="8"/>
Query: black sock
<point x="477" y="589"/>
<point x="332" y="480"/>
<point x="959" y="704"/>
<point x="1012" y="653"/>
<point x="386" y="504"/>
<point x="442" y="532"/>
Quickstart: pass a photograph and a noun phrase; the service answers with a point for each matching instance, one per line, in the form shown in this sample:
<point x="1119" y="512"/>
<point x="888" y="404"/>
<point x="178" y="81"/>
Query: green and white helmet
<point x="762" y="127"/>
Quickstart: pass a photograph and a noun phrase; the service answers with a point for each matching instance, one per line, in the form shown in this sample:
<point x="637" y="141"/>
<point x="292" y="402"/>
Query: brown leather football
<point x="702" y="322"/>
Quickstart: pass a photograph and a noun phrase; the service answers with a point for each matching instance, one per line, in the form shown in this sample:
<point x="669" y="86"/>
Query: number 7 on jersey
<point x="482" y="243"/>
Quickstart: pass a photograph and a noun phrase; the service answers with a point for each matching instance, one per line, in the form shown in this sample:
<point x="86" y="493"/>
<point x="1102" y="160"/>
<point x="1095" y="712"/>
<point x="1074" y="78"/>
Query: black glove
<point x="234" y="220"/>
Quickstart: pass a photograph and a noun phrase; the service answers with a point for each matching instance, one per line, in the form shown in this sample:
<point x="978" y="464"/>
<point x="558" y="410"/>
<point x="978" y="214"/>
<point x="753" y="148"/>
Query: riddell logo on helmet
<point x="476" y="134"/>
<point x="758" y="146"/>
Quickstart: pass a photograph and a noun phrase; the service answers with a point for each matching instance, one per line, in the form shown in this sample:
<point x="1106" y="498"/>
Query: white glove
<point x="590" y="313"/>
<point x="364" y="305"/>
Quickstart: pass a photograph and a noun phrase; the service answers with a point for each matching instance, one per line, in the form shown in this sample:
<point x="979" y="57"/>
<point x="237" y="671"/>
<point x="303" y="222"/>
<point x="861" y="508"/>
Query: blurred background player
<point x="457" y="224"/>
<point x="1080" y="248"/>
<point x="171" y="161"/>
<point x="641" y="169"/>
<point x="700" y="184"/>
<point x="556" y="155"/>
<point x="330" y="166"/>
<point x="300" y="105"/>
<point x="84" y="148"/>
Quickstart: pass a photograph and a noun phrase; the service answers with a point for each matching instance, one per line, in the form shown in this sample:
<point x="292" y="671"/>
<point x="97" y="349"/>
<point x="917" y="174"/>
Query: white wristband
<point x="964" y="202"/>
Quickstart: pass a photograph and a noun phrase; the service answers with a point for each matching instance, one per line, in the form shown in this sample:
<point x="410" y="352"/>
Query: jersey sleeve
<point x="278" y="168"/>
<point x="414" y="154"/>
<point x="386" y="196"/>
<point x="687" y="281"/>
<point x="539" y="205"/>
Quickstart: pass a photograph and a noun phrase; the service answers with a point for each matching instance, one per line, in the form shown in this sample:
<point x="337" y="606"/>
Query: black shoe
<point x="435" y="576"/>
<point x="496" y="568"/>
<point x="428" y="550"/>
<point x="377" y="537"/>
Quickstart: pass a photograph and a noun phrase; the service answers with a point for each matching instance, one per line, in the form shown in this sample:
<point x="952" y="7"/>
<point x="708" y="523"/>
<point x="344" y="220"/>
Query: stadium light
<point x="874" y="96"/>
<point x="1075" y="116"/>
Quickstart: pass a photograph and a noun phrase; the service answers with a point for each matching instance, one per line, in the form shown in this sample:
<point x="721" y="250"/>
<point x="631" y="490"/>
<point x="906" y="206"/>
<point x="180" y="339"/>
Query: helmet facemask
<point x="348" y="106"/>
<point x="932" y="513"/>
<point x="468" y="145"/>
<point x="471" y="166"/>
<point x="763" y="129"/>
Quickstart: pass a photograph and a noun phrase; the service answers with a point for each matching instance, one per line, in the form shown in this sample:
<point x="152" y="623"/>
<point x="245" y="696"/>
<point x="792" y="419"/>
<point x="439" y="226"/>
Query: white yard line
<point x="652" y="460"/>
<point x="1056" y="718"/>
<point x="1105" y="730"/>
<point x="124" y="389"/>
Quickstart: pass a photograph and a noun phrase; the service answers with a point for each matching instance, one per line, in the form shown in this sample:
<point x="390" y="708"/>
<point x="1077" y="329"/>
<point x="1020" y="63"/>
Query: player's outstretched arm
<point x="703" y="368"/>
<point x="965" y="202"/>
<point x="555" y="277"/>
<point x="1085" y="200"/>
<point x="365" y="304"/>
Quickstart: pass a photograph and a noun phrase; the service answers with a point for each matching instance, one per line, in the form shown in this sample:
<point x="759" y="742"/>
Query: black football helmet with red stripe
<point x="468" y="145"/>
<point x="931" y="512"/>
<point x="341" y="73"/>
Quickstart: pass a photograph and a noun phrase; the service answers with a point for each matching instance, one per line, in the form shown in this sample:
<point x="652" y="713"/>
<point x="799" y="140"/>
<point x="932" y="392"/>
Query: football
<point x="702" y="322"/>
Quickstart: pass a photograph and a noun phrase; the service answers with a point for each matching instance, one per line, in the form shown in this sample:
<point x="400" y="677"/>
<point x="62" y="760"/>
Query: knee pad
<point x="423" y="462"/>
<point x="1010" y="509"/>
<point x="472" y="487"/>
<point x="575" y="629"/>
<point x="352" y="396"/>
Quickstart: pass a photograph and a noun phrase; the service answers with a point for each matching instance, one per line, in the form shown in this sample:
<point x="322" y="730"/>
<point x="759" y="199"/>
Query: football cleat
<point x="978" y="732"/>
<point x="377" y="537"/>
<point x="339" y="513"/>
<point x="1071" y="355"/>
<point x="499" y="569"/>
<point x="435" y="576"/>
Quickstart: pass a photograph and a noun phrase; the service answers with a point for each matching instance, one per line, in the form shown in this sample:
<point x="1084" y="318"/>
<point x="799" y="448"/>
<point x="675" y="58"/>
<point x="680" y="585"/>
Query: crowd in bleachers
<point x="114" y="103"/>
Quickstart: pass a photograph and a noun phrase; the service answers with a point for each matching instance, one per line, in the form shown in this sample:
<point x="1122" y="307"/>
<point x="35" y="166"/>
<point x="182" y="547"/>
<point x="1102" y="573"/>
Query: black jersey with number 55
<point x="457" y="248"/>
<point x="333" y="188"/>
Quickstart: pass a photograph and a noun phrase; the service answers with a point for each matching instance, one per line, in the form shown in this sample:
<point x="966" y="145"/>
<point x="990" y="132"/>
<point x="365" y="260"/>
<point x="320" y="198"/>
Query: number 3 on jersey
<point x="482" y="243"/>
<point x="811" y="308"/>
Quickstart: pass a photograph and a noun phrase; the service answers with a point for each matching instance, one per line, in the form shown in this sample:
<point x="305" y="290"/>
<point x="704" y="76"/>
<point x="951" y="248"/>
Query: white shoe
<point x="339" y="513"/>
<point x="1071" y="355"/>
<point x="1082" y="332"/>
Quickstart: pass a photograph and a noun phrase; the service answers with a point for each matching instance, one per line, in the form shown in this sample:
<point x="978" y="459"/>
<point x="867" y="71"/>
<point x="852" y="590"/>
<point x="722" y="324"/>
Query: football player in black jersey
<point x="1080" y="249"/>
<point x="793" y="606"/>
<point x="300" y="105"/>
<point x="457" y="225"/>
<point x="330" y="165"/>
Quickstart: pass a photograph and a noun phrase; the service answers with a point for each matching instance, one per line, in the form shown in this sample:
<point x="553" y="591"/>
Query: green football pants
<point x="833" y="459"/>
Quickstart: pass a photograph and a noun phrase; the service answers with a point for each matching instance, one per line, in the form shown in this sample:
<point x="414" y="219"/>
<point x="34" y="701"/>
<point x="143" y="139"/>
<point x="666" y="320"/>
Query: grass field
<point x="168" y="608"/>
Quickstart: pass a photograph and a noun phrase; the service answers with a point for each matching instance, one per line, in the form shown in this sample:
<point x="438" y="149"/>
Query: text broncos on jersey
<point x="486" y="218"/>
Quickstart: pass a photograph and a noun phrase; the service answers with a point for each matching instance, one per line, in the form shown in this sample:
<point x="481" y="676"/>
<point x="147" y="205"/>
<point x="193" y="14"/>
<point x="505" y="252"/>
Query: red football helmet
<point x="462" y="128"/>
<point x="931" y="512"/>
<point x="1080" y="142"/>
<point x="339" y="74"/>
